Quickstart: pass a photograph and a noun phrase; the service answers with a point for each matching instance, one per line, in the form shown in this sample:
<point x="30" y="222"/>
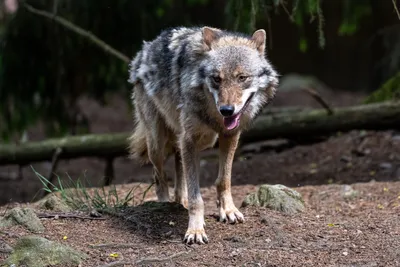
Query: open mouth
<point x="232" y="122"/>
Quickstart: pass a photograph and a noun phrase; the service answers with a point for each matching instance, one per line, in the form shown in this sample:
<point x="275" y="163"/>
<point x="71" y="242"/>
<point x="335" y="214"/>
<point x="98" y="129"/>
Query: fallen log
<point x="304" y="124"/>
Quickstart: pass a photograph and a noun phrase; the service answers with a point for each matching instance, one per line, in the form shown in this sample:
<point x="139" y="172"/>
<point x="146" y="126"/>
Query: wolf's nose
<point x="227" y="110"/>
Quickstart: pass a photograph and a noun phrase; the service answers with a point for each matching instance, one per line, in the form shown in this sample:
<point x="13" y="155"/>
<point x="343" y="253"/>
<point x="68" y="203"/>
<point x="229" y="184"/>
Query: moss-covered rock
<point x="390" y="90"/>
<point x="36" y="251"/>
<point x="22" y="216"/>
<point x="276" y="197"/>
<point x="53" y="203"/>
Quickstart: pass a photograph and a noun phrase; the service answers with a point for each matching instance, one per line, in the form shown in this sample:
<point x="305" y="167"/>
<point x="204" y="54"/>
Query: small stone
<point x="345" y="159"/>
<point x="168" y="234"/>
<point x="4" y="247"/>
<point x="345" y="253"/>
<point x="268" y="240"/>
<point x="234" y="254"/>
<point x="94" y="213"/>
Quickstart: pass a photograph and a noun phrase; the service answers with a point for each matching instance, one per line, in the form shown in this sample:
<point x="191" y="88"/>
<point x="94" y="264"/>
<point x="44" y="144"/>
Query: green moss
<point x="388" y="91"/>
<point x="53" y="203"/>
<point x="36" y="251"/>
<point x="22" y="216"/>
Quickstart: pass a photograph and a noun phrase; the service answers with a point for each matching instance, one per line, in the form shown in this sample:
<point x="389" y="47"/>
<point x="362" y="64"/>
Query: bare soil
<point x="333" y="230"/>
<point x="363" y="231"/>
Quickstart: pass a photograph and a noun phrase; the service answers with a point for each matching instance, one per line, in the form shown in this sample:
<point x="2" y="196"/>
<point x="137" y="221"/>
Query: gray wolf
<point x="192" y="86"/>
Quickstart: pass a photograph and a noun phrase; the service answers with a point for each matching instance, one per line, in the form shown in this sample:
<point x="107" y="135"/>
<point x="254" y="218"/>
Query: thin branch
<point x="114" y="245"/>
<point x="145" y="260"/>
<point x="286" y="11"/>
<point x="117" y="263"/>
<point x="66" y="216"/>
<point x="395" y="8"/>
<point x="148" y="260"/>
<point x="78" y="30"/>
<point x="54" y="163"/>
<point x="319" y="99"/>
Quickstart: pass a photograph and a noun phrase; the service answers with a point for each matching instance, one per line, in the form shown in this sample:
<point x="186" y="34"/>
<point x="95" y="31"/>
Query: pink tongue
<point x="231" y="122"/>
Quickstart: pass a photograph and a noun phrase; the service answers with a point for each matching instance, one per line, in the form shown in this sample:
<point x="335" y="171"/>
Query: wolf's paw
<point x="228" y="212"/>
<point x="197" y="236"/>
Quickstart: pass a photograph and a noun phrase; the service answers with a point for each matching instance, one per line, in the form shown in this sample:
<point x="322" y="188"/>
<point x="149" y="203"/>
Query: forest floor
<point x="334" y="229"/>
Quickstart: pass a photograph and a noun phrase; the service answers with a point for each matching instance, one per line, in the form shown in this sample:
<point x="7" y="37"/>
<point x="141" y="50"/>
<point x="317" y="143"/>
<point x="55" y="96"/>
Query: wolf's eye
<point x="242" y="78"/>
<point x="216" y="79"/>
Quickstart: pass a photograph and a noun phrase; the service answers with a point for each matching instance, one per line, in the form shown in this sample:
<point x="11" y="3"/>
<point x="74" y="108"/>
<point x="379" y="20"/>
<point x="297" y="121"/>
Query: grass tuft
<point x="76" y="195"/>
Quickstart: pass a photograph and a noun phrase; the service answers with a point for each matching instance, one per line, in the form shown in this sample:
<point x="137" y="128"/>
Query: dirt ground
<point x="332" y="231"/>
<point x="363" y="231"/>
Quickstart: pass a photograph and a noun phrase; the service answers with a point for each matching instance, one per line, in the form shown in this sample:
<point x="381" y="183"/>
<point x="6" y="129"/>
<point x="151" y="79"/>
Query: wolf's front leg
<point x="190" y="161"/>
<point x="227" y="209"/>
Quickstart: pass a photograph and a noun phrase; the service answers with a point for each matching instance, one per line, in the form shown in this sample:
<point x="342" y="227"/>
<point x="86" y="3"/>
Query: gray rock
<point x="36" y="251"/>
<point x="53" y="203"/>
<point x="276" y="197"/>
<point x="348" y="192"/>
<point x="22" y="216"/>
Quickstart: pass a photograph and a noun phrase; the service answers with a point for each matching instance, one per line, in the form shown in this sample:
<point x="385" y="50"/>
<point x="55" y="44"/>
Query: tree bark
<point x="309" y="123"/>
<point x="289" y="125"/>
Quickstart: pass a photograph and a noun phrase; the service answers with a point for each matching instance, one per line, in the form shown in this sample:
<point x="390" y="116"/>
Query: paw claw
<point x="196" y="236"/>
<point x="230" y="214"/>
<point x="239" y="216"/>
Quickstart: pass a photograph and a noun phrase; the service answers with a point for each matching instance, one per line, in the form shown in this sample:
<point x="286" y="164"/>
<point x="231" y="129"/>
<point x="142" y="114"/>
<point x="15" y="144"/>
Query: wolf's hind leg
<point x="181" y="194"/>
<point x="156" y="142"/>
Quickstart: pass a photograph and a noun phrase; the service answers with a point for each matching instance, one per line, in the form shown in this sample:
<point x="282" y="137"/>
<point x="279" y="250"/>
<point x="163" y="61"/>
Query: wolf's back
<point x="157" y="68"/>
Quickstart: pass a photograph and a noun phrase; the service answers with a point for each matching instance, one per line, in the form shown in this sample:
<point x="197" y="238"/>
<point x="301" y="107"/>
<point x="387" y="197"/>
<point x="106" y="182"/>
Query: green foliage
<point x="353" y="13"/>
<point x="249" y="12"/>
<point x="388" y="91"/>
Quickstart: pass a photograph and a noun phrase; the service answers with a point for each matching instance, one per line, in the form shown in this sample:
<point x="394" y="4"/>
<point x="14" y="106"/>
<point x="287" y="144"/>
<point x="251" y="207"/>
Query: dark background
<point x="54" y="82"/>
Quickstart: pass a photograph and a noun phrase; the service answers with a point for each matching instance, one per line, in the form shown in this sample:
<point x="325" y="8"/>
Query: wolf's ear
<point x="209" y="36"/>
<point x="259" y="38"/>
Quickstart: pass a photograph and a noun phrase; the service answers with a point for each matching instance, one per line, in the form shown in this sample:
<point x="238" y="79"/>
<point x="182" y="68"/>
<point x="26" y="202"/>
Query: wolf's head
<point x="237" y="74"/>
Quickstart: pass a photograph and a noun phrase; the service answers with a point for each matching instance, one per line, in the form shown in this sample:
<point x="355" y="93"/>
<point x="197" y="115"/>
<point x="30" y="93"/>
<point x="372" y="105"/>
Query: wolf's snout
<point x="227" y="110"/>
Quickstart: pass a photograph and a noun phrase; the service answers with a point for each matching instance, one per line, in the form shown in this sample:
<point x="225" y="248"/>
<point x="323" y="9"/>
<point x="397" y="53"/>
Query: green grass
<point x="79" y="199"/>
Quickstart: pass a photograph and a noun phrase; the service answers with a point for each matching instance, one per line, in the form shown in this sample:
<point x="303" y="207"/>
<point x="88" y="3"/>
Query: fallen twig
<point x="117" y="263"/>
<point x="148" y="260"/>
<point x="113" y="245"/>
<point x="145" y="260"/>
<point x="67" y="216"/>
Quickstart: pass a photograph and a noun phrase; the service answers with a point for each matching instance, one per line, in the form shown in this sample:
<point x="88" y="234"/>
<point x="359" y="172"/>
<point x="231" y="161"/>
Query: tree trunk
<point x="289" y="125"/>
